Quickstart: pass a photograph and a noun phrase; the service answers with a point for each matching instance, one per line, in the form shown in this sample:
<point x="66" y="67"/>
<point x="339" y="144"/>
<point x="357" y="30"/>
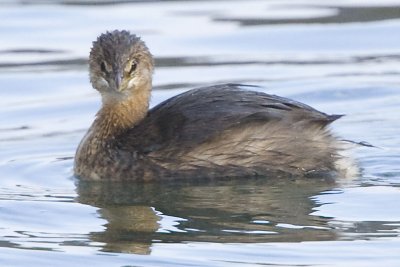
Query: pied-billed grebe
<point x="209" y="132"/>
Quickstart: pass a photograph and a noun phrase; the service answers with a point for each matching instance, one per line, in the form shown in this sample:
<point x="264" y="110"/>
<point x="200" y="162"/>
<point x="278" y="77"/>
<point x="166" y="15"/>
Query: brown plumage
<point x="210" y="132"/>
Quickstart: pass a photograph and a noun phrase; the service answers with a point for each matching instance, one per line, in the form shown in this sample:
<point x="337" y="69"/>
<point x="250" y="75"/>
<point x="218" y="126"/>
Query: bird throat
<point x="117" y="116"/>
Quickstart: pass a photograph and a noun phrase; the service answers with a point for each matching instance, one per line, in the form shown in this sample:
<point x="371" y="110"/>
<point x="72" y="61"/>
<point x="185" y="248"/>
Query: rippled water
<point x="341" y="58"/>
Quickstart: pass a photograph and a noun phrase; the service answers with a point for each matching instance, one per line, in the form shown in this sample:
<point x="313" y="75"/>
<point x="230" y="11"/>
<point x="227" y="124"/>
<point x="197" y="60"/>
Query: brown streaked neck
<point x="115" y="116"/>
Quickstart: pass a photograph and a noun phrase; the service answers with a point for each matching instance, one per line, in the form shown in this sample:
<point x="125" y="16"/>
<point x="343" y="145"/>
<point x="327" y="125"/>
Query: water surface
<point x="341" y="58"/>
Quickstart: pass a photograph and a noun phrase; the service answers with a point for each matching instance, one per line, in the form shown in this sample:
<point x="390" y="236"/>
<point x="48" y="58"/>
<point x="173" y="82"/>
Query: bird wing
<point x="197" y="115"/>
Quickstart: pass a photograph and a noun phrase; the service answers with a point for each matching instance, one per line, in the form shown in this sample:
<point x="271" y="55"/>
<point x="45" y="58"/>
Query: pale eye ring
<point x="103" y="67"/>
<point x="133" y="67"/>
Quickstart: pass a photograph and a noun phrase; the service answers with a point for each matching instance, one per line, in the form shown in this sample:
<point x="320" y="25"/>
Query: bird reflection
<point x="240" y="211"/>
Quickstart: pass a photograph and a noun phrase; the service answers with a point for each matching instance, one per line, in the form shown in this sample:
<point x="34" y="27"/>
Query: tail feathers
<point x="332" y="118"/>
<point x="361" y="143"/>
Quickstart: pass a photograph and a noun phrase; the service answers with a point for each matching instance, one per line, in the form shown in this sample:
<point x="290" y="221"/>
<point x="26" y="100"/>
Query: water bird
<point x="212" y="132"/>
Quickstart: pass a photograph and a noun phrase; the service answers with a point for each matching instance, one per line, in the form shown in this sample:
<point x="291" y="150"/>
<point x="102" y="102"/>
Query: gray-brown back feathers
<point x="225" y="130"/>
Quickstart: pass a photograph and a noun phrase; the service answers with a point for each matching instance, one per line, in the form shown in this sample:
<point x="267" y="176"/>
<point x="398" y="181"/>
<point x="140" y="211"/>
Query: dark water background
<point x="342" y="57"/>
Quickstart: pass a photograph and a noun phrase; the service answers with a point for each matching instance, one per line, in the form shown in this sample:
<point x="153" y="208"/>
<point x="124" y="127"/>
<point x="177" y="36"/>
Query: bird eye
<point x="103" y="67"/>
<point x="133" y="67"/>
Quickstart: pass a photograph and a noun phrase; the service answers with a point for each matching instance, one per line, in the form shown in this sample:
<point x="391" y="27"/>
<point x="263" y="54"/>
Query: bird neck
<point x="115" y="116"/>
